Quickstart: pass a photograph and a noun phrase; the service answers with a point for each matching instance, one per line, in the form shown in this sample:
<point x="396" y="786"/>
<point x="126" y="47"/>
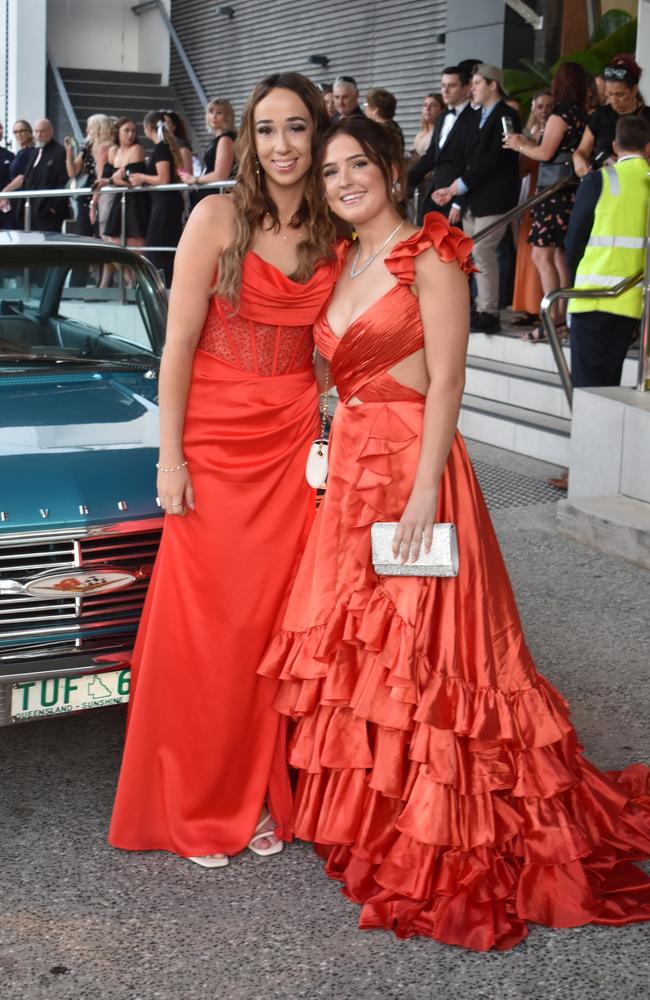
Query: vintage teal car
<point x="81" y="332"/>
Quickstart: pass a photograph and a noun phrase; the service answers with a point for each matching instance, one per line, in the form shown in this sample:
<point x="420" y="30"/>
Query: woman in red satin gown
<point x="239" y="408"/>
<point x="439" y="773"/>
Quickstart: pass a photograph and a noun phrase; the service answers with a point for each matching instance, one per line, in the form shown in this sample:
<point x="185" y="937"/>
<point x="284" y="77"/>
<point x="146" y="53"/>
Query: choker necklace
<point x="355" y="271"/>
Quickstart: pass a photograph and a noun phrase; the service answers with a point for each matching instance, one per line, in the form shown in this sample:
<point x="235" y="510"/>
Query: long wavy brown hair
<point x="253" y="201"/>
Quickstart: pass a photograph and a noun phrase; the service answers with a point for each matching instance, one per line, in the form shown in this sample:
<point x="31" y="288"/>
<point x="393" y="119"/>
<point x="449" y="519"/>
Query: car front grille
<point x="25" y="620"/>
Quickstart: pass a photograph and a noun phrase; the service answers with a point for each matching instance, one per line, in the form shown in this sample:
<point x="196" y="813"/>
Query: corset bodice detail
<point x="270" y="332"/>
<point x="390" y="329"/>
<point x="251" y="346"/>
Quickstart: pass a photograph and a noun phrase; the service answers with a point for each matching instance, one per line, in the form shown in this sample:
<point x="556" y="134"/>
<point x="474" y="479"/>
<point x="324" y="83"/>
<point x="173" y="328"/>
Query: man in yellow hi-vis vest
<point x="606" y="242"/>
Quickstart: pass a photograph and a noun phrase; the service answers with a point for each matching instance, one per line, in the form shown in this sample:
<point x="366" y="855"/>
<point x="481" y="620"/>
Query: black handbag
<point x="560" y="168"/>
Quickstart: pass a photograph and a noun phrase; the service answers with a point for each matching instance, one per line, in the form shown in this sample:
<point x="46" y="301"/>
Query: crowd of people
<point x="472" y="159"/>
<point x="110" y="159"/>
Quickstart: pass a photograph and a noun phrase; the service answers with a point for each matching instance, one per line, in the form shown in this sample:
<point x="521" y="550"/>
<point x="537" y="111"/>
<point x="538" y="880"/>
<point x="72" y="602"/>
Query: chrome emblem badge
<point x="78" y="582"/>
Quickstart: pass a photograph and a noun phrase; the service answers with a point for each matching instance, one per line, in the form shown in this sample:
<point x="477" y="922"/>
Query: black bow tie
<point x="452" y="111"/>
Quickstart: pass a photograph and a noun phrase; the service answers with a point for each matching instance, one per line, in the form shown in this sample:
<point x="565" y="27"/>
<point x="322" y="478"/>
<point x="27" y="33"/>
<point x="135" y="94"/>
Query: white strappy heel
<point x="211" y="860"/>
<point x="261" y="834"/>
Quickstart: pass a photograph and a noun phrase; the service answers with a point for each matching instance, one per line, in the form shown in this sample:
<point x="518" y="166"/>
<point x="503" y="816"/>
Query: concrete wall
<point x="643" y="43"/>
<point x="106" y="34"/>
<point x="475" y="29"/>
<point x="23" y="77"/>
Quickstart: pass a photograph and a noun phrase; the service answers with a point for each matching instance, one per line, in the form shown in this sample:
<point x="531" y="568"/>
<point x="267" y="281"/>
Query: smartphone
<point x="506" y="125"/>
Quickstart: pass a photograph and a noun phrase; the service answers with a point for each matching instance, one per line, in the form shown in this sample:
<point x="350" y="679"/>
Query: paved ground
<point x="79" y="920"/>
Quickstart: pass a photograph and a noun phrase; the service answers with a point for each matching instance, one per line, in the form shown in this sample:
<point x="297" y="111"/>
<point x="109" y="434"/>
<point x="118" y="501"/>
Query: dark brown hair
<point x="179" y="123"/>
<point x="383" y="101"/>
<point x="253" y="202"/>
<point x="156" y="120"/>
<point x="571" y="85"/>
<point x="125" y="120"/>
<point x="627" y="62"/>
<point x="380" y="148"/>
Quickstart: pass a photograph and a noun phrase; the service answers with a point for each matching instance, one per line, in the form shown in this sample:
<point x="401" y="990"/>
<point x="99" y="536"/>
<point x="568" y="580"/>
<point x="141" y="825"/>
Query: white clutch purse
<point x="316" y="468"/>
<point x="442" y="560"/>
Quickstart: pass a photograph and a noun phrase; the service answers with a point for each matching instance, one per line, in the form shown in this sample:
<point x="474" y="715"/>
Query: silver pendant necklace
<point x="287" y="224"/>
<point x="356" y="271"/>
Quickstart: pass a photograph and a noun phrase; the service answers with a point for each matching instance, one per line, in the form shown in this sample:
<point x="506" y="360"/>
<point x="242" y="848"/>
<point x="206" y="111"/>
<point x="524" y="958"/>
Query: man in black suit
<point x="447" y="154"/>
<point x="6" y="156"/>
<point x="46" y="169"/>
<point x="489" y="186"/>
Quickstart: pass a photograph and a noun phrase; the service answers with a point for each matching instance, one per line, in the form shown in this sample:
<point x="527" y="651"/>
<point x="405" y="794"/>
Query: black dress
<point x="166" y="218"/>
<point x="210" y="155"/>
<point x="550" y="219"/>
<point x="602" y="125"/>
<point x="138" y="207"/>
<point x="209" y="160"/>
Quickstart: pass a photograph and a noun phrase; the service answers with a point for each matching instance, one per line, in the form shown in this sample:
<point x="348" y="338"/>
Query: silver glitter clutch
<point x="442" y="560"/>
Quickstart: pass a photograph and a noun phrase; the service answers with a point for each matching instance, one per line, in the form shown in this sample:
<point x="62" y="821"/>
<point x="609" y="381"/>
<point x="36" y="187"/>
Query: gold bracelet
<point x="171" y="468"/>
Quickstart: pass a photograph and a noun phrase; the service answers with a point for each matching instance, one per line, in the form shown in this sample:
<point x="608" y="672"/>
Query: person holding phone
<point x="490" y="184"/>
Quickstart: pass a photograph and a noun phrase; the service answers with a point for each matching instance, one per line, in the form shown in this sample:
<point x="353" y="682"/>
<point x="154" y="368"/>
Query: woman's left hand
<point x="137" y="180"/>
<point x="416" y="525"/>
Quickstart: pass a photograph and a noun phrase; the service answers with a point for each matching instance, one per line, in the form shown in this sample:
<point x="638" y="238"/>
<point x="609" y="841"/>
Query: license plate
<point x="58" y="695"/>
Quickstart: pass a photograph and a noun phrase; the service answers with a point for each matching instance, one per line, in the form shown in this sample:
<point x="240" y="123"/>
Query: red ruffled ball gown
<point x="439" y="773"/>
<point x="203" y="741"/>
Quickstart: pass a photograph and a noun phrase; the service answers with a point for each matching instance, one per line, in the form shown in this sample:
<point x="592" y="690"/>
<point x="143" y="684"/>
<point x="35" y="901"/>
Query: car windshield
<point x="104" y="310"/>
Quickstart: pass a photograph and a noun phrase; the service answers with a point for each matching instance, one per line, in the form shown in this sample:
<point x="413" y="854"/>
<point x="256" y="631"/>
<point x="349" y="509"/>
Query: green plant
<point x="616" y="32"/>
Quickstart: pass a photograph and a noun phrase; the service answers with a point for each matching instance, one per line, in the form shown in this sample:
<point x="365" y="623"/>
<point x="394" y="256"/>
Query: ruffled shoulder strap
<point x="449" y="242"/>
<point x="340" y="249"/>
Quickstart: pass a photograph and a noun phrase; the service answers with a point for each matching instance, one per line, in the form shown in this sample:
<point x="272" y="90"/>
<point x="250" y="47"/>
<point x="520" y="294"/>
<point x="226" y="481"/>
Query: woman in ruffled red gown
<point x="239" y="408"/>
<point x="439" y="773"/>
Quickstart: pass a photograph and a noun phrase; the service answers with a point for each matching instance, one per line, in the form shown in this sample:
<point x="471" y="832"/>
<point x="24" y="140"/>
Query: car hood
<point x="76" y="442"/>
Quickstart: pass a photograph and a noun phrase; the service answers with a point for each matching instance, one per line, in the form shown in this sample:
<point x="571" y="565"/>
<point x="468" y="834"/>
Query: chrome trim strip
<point x="82" y="531"/>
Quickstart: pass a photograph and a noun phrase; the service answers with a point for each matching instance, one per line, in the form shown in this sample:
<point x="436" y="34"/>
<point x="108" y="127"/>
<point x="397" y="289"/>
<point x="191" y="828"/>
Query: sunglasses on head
<point x="616" y="73"/>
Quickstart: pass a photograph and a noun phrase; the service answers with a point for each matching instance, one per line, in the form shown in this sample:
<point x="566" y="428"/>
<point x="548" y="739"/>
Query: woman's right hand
<point x="175" y="491"/>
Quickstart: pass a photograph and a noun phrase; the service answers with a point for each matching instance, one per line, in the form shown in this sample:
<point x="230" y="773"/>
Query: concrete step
<point x="514" y="398"/>
<point x="617" y="525"/>
<point x="120" y="91"/>
<point x="516" y="428"/>
<point x="108" y="76"/>
<point x="531" y="388"/>
<point x="116" y="106"/>
<point x="117" y="94"/>
<point x="509" y="348"/>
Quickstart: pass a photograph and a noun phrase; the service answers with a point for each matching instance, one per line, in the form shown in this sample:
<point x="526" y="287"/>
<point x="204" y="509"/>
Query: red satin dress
<point x="439" y="773"/>
<point x="203" y="741"/>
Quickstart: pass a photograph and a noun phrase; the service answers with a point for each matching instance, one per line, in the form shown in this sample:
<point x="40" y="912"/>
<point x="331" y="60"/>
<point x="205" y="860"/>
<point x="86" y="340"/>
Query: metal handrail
<point x="522" y="207"/>
<point x="576" y="293"/>
<point x="86" y="192"/>
<point x="65" y="99"/>
<point x="140" y="8"/>
<point x="114" y="189"/>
